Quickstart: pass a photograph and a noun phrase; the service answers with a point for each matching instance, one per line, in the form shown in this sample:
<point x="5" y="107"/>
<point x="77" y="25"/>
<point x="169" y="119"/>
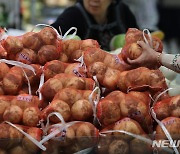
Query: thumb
<point x="136" y="61"/>
<point x="130" y="61"/>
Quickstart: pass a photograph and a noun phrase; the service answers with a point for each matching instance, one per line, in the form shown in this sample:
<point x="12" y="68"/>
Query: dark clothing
<point x="119" y="19"/>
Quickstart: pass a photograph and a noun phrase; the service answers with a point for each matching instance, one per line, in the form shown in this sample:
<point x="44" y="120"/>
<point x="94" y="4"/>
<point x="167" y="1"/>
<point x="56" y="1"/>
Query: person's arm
<point x="150" y="57"/>
<point x="170" y="61"/>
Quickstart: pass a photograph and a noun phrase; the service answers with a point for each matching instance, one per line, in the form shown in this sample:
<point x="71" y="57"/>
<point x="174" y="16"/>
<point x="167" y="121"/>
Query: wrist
<point x="159" y="58"/>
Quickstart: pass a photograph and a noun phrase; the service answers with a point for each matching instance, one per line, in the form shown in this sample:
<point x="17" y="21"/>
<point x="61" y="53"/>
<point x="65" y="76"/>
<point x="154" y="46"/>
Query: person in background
<point x="146" y="13"/>
<point x="97" y="19"/>
<point x="171" y="61"/>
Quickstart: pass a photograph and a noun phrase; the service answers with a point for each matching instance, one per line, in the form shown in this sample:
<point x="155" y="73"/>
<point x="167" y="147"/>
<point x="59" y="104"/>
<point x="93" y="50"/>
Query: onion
<point x="28" y="136"/>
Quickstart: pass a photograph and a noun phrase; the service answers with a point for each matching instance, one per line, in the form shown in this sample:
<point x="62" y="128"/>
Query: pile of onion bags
<point x="121" y="137"/>
<point x="14" y="80"/>
<point x="21" y="109"/>
<point x="63" y="80"/>
<point x="78" y="136"/>
<point x="72" y="104"/>
<point x="12" y="140"/>
<point x="81" y="97"/>
<point x="55" y="67"/>
<point x="33" y="47"/>
<point x="167" y="107"/>
<point x="117" y="105"/>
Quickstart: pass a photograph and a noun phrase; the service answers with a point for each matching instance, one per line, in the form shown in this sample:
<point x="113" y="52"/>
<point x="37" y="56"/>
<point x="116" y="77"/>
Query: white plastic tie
<point x="84" y="151"/>
<point x="58" y="115"/>
<point x="165" y="130"/>
<point x="160" y="123"/>
<point x="19" y="64"/>
<point x="65" y="35"/>
<point x="60" y="127"/>
<point x="41" y="83"/>
<point x="29" y="84"/>
<point x="54" y="133"/>
<point x="51" y="135"/>
<point x="82" y="64"/>
<point x="96" y="81"/>
<point x="59" y="36"/>
<point x="103" y="89"/>
<point x="146" y="140"/>
<point x="45" y="25"/>
<point x="41" y="124"/>
<point x="3" y="34"/>
<point x="150" y="37"/>
<point x="72" y="123"/>
<point x="63" y="129"/>
<point x="128" y="133"/>
<point x="95" y="102"/>
<point x="60" y="32"/>
<point x="151" y="97"/>
<point x="81" y="60"/>
<point x="158" y="96"/>
<point x="37" y="143"/>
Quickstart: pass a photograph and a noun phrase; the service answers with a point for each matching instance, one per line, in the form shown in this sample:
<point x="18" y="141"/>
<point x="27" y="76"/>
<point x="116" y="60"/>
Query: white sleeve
<point x="171" y="61"/>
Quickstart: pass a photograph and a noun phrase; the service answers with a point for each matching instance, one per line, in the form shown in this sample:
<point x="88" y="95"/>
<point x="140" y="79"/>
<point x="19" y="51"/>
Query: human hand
<point x="148" y="58"/>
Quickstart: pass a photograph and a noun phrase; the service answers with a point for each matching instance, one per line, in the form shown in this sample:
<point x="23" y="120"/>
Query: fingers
<point x="130" y="61"/>
<point x="135" y="62"/>
<point x="143" y="45"/>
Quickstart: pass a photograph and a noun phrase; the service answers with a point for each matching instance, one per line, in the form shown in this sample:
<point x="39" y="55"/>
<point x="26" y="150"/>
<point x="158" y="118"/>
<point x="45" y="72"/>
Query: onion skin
<point x="62" y="80"/>
<point x="57" y="106"/>
<point x="168" y="107"/>
<point x="47" y="53"/>
<point x="26" y="56"/>
<point x="81" y="110"/>
<point x="13" y="80"/>
<point x="120" y="146"/>
<point x="172" y="125"/>
<point x="48" y="36"/>
<point x="4" y="70"/>
<point x="117" y="105"/>
<point x="31" y="116"/>
<point x="13" y="114"/>
<point x="9" y="136"/>
<point x="36" y="133"/>
<point x="12" y="44"/>
<point x="31" y="40"/>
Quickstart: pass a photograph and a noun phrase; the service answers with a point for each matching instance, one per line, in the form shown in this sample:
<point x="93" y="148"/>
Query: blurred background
<point x="19" y="16"/>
